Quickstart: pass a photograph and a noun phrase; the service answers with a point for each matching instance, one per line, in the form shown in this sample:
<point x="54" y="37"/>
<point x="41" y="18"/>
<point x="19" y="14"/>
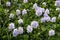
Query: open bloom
<point x="20" y="30"/>
<point x="11" y="26"/>
<point x="25" y="1"/>
<point x="53" y="19"/>
<point x="18" y="12"/>
<point x="51" y="32"/>
<point x="29" y="29"/>
<point x="11" y="16"/>
<point x="34" y="24"/>
<point x="8" y="4"/>
<point x="15" y="32"/>
<point x="45" y="19"/>
<point x="24" y="11"/>
<point x="35" y="6"/>
<point x="38" y="13"/>
<point x="20" y="21"/>
<point x="57" y="3"/>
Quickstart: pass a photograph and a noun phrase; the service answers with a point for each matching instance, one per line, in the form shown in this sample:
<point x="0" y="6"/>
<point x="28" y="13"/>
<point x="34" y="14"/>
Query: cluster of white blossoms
<point x="34" y="24"/>
<point x="18" y="12"/>
<point x="38" y="9"/>
<point x="46" y="17"/>
<point x="51" y="32"/>
<point x="18" y="31"/>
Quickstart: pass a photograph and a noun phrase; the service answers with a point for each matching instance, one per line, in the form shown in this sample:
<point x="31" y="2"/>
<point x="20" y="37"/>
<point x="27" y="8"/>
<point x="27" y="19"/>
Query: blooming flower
<point x="45" y="19"/>
<point x="25" y="1"/>
<point x="38" y="13"/>
<point x="18" y="12"/>
<point x="20" y="21"/>
<point x="51" y="32"/>
<point x="24" y="11"/>
<point x="11" y="26"/>
<point x="57" y="3"/>
<point x="15" y="32"/>
<point x="29" y="29"/>
<point x="35" y="6"/>
<point x="11" y="16"/>
<point x="53" y="19"/>
<point x="8" y="4"/>
<point x="20" y="30"/>
<point x="34" y="24"/>
<point x="44" y="3"/>
<point x="47" y="11"/>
